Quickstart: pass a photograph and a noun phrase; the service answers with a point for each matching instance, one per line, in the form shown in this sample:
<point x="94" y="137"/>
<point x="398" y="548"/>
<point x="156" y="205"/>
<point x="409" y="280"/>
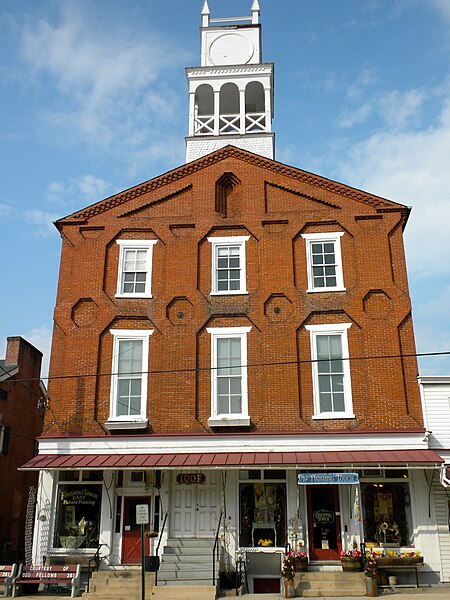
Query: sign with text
<point x="142" y="514"/>
<point x="327" y="478"/>
<point x="191" y="478"/>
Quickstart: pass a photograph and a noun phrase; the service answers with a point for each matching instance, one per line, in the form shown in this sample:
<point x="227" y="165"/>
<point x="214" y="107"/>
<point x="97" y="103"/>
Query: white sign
<point x="142" y="514"/>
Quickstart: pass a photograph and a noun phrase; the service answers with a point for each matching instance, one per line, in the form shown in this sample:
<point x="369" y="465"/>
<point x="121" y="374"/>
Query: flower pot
<point x="351" y="563"/>
<point x="288" y="588"/>
<point x="301" y="563"/>
<point x="227" y="580"/>
<point x="371" y="587"/>
<point x="392" y="581"/>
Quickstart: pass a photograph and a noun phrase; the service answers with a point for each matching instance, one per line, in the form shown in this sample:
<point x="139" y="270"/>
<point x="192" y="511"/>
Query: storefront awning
<point x="354" y="459"/>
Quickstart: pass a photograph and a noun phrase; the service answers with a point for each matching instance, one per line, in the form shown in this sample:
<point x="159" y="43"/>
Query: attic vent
<point x="224" y="187"/>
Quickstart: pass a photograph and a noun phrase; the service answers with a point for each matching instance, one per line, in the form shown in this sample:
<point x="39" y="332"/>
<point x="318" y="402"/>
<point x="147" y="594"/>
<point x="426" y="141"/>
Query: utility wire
<point x="248" y="366"/>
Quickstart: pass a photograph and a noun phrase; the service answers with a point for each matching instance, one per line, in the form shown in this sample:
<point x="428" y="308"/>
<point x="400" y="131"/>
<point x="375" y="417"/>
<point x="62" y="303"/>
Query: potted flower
<point x="288" y="573"/>
<point x="351" y="560"/>
<point x="300" y="561"/>
<point x="370" y="571"/>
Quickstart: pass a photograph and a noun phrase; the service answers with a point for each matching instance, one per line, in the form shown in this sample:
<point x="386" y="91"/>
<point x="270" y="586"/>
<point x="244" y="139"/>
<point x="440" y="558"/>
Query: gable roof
<point x="238" y="154"/>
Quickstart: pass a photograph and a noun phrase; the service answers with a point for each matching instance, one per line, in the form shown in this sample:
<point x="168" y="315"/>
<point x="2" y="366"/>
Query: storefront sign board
<point x="327" y="478"/>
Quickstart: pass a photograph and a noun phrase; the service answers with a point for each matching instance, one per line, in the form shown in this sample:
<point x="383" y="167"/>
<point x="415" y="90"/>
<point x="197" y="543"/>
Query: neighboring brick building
<point x="20" y="425"/>
<point x="227" y="336"/>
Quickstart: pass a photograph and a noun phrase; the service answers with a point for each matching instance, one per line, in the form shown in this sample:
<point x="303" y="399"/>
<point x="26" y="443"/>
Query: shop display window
<point x="262" y="512"/>
<point x="387" y="513"/>
<point x="77" y="515"/>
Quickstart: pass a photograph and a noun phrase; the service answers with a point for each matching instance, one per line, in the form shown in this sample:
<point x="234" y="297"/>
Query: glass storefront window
<point x="387" y="513"/>
<point x="77" y="516"/>
<point x="262" y="514"/>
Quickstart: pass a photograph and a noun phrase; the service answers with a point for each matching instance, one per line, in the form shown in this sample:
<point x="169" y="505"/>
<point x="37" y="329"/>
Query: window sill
<point x="233" y="293"/>
<point x="229" y="421"/>
<point x="116" y="425"/>
<point x="334" y="416"/>
<point x="134" y="296"/>
<point x="330" y="289"/>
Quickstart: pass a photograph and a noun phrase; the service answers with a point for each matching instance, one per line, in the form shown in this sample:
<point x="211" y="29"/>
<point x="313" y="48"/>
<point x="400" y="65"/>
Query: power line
<point x="248" y="366"/>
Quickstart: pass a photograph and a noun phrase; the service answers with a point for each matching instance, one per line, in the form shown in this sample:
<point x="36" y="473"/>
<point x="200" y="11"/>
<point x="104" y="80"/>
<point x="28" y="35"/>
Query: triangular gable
<point x="238" y="154"/>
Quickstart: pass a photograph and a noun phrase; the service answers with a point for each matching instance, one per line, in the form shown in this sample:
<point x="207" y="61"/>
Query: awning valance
<point x="352" y="458"/>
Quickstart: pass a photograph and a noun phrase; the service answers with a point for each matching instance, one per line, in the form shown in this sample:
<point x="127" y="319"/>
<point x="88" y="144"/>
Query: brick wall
<point x="274" y="205"/>
<point x="18" y="408"/>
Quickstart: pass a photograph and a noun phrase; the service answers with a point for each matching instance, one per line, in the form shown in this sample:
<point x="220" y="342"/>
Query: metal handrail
<point x="214" y="548"/>
<point x="94" y="559"/>
<point x="159" y="544"/>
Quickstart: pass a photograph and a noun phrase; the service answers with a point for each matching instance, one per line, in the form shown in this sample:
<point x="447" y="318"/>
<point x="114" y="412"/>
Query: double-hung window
<point x="135" y="268"/>
<point x="331" y="371"/>
<point x="229" y="397"/>
<point x="228" y="265"/>
<point x="129" y="379"/>
<point x="324" y="262"/>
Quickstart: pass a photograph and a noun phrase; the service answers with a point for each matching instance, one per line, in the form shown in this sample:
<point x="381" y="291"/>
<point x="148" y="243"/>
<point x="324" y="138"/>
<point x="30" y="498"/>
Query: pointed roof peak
<point x="255" y="12"/>
<point x="205" y="14"/>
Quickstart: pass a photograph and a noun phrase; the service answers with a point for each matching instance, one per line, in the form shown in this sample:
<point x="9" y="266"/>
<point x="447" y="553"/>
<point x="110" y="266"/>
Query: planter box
<point x="151" y="563"/>
<point x="351" y="563"/>
<point x="396" y="561"/>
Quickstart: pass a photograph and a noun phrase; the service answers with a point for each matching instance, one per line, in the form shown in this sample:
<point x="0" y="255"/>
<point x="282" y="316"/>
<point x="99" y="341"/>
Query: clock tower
<point x="231" y="93"/>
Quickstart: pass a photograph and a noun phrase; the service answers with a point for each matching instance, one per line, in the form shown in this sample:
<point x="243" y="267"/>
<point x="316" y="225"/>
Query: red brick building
<point x="20" y="425"/>
<point x="233" y="343"/>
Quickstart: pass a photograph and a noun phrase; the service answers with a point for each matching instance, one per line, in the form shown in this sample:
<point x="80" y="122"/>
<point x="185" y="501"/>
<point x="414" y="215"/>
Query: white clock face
<point x="231" y="49"/>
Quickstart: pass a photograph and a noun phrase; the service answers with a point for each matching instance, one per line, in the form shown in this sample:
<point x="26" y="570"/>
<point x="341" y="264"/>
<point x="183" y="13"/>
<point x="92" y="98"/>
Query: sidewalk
<point x="437" y="592"/>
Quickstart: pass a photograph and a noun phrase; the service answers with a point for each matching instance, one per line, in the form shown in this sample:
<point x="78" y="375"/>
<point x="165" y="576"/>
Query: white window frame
<point x="340" y="329"/>
<point x="334" y="238"/>
<point x="135" y="245"/>
<point x="231" y="419"/>
<point x="127" y="421"/>
<point x="217" y="242"/>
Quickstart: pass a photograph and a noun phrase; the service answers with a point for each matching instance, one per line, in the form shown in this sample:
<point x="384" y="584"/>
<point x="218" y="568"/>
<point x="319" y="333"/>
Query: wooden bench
<point x="55" y="575"/>
<point x="7" y="573"/>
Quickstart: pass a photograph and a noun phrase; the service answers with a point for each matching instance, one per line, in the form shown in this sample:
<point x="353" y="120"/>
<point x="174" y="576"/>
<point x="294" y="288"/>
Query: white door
<point x="195" y="507"/>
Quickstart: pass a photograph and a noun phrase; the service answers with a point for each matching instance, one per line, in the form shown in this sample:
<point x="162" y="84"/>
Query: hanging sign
<point x="327" y="478"/>
<point x="191" y="478"/>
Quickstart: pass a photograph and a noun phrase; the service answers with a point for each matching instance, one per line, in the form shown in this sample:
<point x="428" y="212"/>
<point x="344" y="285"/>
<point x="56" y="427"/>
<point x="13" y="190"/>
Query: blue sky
<point x="93" y="100"/>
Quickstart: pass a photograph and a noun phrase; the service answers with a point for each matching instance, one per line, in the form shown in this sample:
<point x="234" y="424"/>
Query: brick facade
<point x="273" y="204"/>
<point x="19" y="394"/>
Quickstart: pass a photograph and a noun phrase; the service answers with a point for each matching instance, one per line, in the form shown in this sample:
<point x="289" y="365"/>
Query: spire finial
<point x="205" y="14"/>
<point x="255" y="12"/>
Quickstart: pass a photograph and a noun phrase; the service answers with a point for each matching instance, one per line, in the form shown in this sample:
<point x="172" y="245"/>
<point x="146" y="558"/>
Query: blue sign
<point x="327" y="478"/>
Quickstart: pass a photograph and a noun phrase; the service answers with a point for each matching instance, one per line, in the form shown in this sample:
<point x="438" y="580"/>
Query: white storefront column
<point x="45" y="510"/>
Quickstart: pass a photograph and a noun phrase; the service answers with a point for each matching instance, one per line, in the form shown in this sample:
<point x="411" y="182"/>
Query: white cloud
<point x="105" y="83"/>
<point x="396" y="109"/>
<point x="6" y="210"/>
<point x="78" y="191"/>
<point x="366" y="78"/>
<point x="443" y="7"/>
<point x="41" y="221"/>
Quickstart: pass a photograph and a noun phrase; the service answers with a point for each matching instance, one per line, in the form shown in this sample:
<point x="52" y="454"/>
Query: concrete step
<point x="350" y="576"/>
<point x="193" y="558"/>
<point x="191" y="542"/>
<point x="197" y="592"/>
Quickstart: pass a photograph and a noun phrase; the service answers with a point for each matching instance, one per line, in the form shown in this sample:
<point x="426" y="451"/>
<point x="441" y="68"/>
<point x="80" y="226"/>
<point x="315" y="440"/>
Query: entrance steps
<point x="187" y="562"/>
<point x="330" y="583"/>
<point x="119" y="585"/>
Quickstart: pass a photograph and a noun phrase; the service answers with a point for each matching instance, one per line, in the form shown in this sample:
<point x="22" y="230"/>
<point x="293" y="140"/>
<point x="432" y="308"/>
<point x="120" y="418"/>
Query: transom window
<point x="229" y="404"/>
<point x="324" y="262"/>
<point x="129" y="378"/>
<point x="228" y="265"/>
<point x="331" y="371"/>
<point x="135" y="268"/>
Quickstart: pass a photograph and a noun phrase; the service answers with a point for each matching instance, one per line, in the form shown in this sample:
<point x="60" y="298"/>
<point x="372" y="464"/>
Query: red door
<point x="131" y="533"/>
<point x="324" y="522"/>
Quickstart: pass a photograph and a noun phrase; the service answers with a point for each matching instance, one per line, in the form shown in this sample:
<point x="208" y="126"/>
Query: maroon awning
<point x="326" y="459"/>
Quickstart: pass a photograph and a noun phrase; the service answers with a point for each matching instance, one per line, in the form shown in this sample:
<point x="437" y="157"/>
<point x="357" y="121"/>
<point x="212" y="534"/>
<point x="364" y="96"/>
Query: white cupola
<point x="231" y="93"/>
